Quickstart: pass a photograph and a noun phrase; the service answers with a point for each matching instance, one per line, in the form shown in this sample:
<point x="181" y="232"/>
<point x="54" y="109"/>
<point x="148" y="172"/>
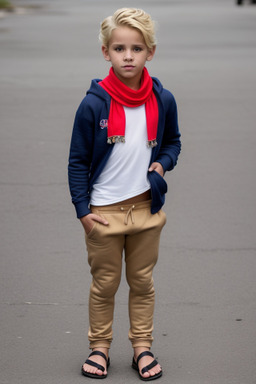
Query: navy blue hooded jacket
<point x="89" y="150"/>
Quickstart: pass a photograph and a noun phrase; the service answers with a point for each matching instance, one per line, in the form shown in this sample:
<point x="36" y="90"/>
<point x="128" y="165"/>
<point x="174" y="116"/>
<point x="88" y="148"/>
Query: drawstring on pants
<point x="129" y="213"/>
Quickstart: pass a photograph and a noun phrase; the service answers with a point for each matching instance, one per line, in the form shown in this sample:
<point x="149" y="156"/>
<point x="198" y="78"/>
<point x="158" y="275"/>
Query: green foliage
<point x="5" y="4"/>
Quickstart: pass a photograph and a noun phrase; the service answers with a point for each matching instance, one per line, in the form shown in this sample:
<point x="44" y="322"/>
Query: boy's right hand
<point x="88" y="221"/>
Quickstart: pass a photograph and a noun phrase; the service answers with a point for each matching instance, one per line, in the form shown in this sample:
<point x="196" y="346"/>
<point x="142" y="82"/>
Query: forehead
<point x="126" y="35"/>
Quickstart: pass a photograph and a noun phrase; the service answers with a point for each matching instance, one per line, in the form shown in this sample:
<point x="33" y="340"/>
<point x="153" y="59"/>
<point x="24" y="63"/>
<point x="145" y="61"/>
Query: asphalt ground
<point x="205" y="318"/>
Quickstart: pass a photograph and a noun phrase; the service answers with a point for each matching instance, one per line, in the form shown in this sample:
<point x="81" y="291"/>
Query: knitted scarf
<point x="121" y="95"/>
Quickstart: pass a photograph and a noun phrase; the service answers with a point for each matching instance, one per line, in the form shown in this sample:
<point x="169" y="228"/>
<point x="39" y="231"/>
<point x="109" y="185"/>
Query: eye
<point x="137" y="49"/>
<point x="118" y="49"/>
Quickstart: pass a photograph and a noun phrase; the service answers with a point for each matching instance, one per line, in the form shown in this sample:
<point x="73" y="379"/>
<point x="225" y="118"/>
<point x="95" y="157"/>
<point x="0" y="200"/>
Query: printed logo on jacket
<point x="104" y="123"/>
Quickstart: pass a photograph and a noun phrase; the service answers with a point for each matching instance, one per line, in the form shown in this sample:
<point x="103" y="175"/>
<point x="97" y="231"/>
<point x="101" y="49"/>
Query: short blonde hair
<point x="129" y="17"/>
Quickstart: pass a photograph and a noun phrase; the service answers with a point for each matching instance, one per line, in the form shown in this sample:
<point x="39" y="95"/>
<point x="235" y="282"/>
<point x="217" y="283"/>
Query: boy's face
<point x="128" y="54"/>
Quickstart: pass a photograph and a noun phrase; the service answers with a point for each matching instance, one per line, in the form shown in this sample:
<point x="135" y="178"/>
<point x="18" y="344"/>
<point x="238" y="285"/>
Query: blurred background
<point x="205" y="278"/>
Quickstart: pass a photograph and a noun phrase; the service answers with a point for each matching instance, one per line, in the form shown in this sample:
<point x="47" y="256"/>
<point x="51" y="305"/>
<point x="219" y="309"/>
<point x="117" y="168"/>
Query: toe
<point x="157" y="369"/>
<point x="99" y="372"/>
<point x="146" y="375"/>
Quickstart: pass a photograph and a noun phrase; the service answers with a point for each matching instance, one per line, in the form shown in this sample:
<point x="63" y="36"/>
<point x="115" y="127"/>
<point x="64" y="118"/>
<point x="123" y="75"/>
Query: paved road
<point x="205" y="329"/>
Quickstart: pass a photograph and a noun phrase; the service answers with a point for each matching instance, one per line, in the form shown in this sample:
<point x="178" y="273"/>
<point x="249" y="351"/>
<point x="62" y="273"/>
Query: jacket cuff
<point x="165" y="162"/>
<point x="82" y="209"/>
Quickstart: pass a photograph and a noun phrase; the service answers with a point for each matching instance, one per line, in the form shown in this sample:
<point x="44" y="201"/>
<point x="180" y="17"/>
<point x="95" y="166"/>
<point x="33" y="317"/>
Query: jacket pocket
<point x="92" y="230"/>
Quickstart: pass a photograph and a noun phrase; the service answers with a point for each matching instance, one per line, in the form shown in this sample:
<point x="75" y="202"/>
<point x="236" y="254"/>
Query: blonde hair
<point x="129" y="17"/>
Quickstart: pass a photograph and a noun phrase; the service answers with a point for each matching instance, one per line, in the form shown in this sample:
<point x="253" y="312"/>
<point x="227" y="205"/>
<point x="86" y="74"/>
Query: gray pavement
<point x="205" y="323"/>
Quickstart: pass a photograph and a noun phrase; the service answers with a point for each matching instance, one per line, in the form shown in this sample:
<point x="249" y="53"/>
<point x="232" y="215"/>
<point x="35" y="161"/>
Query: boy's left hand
<point x="157" y="167"/>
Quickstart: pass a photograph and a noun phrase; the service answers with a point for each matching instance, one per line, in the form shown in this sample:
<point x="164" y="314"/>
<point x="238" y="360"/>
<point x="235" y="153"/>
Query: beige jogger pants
<point x="132" y="229"/>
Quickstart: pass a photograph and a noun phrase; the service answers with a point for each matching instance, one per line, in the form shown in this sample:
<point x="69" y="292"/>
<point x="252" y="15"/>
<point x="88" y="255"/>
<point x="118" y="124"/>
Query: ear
<point x="105" y="53"/>
<point x="151" y="53"/>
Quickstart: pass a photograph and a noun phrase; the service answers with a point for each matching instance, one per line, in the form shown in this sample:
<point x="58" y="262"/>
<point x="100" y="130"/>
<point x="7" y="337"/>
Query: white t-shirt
<point x="125" y="173"/>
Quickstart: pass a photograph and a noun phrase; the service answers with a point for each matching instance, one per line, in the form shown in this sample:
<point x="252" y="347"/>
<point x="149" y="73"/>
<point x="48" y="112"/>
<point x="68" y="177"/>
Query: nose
<point x="128" y="56"/>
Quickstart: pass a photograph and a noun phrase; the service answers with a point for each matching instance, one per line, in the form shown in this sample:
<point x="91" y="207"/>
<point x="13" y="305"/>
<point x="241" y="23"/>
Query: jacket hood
<point x="157" y="85"/>
<point x="97" y="90"/>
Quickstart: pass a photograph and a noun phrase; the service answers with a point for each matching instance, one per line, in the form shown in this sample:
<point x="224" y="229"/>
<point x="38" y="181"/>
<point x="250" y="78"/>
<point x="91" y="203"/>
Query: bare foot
<point x="99" y="360"/>
<point x="144" y="361"/>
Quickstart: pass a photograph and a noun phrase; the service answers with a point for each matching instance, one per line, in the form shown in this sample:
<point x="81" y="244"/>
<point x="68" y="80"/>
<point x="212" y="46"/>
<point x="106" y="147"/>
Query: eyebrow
<point x="133" y="45"/>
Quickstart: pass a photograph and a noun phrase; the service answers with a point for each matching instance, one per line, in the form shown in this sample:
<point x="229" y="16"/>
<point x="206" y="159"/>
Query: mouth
<point x="128" y="67"/>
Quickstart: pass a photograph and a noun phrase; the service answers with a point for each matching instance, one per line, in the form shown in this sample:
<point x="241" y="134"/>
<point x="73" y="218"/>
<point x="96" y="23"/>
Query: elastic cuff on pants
<point x="100" y="344"/>
<point x="145" y="344"/>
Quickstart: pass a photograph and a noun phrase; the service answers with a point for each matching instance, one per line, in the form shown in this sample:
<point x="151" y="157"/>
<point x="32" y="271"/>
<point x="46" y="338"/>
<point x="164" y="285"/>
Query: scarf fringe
<point x="121" y="139"/>
<point x="152" y="143"/>
<point x="116" y="139"/>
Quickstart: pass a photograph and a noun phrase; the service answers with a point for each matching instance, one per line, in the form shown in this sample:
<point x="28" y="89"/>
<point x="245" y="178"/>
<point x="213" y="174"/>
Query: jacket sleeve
<point x="171" y="145"/>
<point x="80" y="158"/>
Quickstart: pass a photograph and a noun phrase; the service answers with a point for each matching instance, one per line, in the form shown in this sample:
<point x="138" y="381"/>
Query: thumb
<point x="152" y="167"/>
<point x="102" y="220"/>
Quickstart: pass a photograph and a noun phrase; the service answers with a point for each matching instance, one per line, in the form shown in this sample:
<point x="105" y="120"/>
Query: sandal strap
<point x="99" y="354"/>
<point x="93" y="364"/>
<point x="148" y="367"/>
<point x="145" y="353"/>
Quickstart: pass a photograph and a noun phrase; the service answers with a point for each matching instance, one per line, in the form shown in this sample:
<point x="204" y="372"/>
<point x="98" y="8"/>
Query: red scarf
<point x="121" y="95"/>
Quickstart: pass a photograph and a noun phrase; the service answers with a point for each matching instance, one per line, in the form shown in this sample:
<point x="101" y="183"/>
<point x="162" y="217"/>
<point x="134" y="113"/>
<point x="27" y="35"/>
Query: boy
<point x="125" y="137"/>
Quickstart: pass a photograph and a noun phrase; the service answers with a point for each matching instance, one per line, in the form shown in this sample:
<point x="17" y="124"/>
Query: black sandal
<point x="98" y="366"/>
<point x="147" y="368"/>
